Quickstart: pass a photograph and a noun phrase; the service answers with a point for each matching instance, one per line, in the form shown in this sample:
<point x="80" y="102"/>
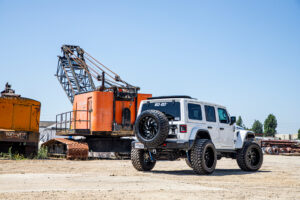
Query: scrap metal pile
<point x="276" y="147"/>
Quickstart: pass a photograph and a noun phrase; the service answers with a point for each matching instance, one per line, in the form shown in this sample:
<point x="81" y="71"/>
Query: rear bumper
<point x="164" y="146"/>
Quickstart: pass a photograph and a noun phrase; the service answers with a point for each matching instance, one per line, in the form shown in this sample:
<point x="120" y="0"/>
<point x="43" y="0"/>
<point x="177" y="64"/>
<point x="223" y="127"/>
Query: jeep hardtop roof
<point x="172" y="97"/>
<point x="182" y="97"/>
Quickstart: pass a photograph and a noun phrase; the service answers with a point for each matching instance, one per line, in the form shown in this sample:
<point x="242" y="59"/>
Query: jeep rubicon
<point x="172" y="127"/>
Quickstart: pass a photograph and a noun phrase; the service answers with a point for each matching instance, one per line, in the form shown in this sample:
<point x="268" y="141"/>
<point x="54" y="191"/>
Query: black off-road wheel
<point x="250" y="157"/>
<point x="152" y="128"/>
<point x="141" y="160"/>
<point x="203" y="157"/>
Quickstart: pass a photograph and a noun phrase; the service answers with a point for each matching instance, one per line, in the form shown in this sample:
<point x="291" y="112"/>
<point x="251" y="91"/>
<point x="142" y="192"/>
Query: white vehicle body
<point x="199" y="120"/>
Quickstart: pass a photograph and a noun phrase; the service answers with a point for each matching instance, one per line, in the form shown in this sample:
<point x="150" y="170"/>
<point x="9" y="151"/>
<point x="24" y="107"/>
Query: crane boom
<point x="77" y="70"/>
<point x="71" y="75"/>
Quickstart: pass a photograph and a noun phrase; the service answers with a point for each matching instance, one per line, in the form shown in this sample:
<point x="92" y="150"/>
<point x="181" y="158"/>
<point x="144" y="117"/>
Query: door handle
<point x="209" y="127"/>
<point x="221" y="129"/>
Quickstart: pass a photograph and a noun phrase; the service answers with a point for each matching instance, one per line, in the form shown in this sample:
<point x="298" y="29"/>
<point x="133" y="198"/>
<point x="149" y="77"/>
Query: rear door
<point x="212" y="125"/>
<point x="194" y="116"/>
<point x="226" y="130"/>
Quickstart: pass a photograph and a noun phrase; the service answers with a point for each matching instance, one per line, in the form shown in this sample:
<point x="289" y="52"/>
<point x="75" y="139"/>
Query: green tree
<point x="257" y="127"/>
<point x="270" y="126"/>
<point x="239" y="122"/>
<point x="299" y="134"/>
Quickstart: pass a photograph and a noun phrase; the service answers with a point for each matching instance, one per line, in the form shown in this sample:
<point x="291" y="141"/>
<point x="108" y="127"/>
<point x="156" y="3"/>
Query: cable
<point x="101" y="63"/>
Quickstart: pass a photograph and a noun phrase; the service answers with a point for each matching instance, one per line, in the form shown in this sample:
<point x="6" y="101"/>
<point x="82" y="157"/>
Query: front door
<point x="226" y="130"/>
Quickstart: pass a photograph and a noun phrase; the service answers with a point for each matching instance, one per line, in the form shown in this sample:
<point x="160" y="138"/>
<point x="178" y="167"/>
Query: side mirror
<point x="232" y="120"/>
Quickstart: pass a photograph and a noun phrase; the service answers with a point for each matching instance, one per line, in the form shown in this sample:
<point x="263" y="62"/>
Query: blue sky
<point x="241" y="54"/>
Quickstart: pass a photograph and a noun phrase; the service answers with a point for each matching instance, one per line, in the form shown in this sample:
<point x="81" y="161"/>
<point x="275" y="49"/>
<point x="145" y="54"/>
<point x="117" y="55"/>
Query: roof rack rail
<point x="171" y="97"/>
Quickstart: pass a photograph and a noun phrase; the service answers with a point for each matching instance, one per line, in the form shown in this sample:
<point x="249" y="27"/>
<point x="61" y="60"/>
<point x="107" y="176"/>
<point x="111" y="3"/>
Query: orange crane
<point x="102" y="115"/>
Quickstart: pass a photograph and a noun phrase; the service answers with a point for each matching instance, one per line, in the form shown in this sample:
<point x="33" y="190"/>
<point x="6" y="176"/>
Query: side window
<point x="210" y="114"/>
<point x="223" y="116"/>
<point x="194" y="111"/>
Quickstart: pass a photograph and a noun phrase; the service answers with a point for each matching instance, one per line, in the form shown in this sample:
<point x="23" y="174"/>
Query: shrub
<point x="42" y="153"/>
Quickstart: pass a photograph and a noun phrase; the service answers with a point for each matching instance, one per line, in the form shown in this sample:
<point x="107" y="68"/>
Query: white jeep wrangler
<point x="172" y="127"/>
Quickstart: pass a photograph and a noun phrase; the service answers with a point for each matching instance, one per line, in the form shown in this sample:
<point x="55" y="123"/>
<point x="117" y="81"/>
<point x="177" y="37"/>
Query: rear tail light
<point x="183" y="128"/>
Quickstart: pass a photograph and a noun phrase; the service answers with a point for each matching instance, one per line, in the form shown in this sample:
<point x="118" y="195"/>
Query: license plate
<point x="139" y="146"/>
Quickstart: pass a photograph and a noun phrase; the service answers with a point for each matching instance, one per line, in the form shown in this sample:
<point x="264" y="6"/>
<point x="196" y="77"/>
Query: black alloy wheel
<point x="148" y="127"/>
<point x="209" y="157"/>
<point x="253" y="157"/>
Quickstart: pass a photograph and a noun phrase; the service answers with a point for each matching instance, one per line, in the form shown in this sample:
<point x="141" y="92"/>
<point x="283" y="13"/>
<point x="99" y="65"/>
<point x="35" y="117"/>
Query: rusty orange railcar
<point x="19" y="123"/>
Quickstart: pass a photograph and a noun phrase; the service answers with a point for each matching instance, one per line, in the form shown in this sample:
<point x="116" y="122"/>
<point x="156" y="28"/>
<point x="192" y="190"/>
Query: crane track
<point x="70" y="148"/>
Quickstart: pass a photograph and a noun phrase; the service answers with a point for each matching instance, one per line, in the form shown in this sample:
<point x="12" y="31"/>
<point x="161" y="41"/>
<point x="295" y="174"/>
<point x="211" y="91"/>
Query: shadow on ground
<point x="218" y="172"/>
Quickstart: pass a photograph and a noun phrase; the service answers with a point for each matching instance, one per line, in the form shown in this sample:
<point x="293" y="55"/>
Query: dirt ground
<point x="279" y="178"/>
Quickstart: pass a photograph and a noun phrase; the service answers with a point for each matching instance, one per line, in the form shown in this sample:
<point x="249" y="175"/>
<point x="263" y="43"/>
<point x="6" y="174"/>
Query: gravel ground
<point x="279" y="178"/>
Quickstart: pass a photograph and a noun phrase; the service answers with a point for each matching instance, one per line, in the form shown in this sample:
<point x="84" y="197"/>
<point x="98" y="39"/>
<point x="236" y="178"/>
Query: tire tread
<point x="196" y="156"/>
<point x="137" y="160"/>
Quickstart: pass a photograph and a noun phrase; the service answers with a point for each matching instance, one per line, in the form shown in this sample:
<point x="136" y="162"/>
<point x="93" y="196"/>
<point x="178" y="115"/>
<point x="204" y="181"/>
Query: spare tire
<point x="152" y="128"/>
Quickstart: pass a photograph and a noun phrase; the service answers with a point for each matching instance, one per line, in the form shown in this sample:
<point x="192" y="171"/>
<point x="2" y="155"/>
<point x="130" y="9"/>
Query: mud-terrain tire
<point x="152" y="128"/>
<point x="250" y="157"/>
<point x="203" y="157"/>
<point x="141" y="160"/>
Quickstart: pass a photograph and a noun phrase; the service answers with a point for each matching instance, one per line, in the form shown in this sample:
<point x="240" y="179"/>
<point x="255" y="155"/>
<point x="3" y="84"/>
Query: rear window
<point x="170" y="109"/>
<point x="210" y="114"/>
<point x="194" y="111"/>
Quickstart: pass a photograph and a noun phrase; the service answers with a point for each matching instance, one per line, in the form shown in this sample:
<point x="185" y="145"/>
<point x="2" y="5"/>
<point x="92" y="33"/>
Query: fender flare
<point x="194" y="134"/>
<point x="242" y="136"/>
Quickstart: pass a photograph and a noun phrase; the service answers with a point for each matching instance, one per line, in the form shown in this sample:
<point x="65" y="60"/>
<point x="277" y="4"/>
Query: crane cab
<point x="101" y="113"/>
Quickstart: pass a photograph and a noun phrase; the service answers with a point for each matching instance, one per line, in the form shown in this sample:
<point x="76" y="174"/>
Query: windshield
<point x="170" y="109"/>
